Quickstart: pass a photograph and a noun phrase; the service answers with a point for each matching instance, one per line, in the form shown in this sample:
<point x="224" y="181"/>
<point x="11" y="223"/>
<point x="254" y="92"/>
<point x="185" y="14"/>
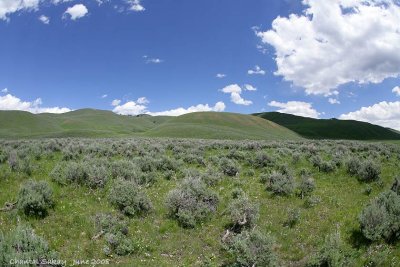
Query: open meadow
<point x="182" y="202"/>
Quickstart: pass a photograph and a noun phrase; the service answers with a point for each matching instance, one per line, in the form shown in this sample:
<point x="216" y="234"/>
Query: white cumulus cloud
<point x="249" y="87"/>
<point x="386" y="114"/>
<point x="220" y="75"/>
<point x="135" y="108"/>
<point x="296" y="108"/>
<point x="44" y="19"/>
<point x="77" y="11"/>
<point x="130" y="108"/>
<point x="218" y="107"/>
<point x="337" y="42"/>
<point x="135" y="5"/>
<point x="5" y="90"/>
<point x="396" y="90"/>
<point x="115" y="102"/>
<point x="8" y="7"/>
<point x="333" y="101"/>
<point x="10" y="102"/>
<point x="256" y="71"/>
<point x="235" y="91"/>
<point x="143" y="100"/>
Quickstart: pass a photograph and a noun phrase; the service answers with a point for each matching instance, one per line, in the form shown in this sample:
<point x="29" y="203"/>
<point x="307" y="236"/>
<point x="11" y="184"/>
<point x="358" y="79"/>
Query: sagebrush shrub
<point x="293" y="217"/>
<point x="262" y="160"/>
<point x="228" y="167"/>
<point x="380" y="219"/>
<point x="242" y="213"/>
<point x="191" y="203"/>
<point x="252" y="248"/>
<point x="369" y="171"/>
<point x="115" y="231"/>
<point x="281" y="184"/>
<point x="332" y="253"/>
<point x="128" y="198"/>
<point x="23" y="244"/>
<point x="35" y="198"/>
<point x="13" y="160"/>
<point x="396" y="185"/>
<point x="306" y="186"/>
<point x="353" y="166"/>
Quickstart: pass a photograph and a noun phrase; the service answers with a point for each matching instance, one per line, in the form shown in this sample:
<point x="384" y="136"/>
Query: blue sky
<point x="85" y="54"/>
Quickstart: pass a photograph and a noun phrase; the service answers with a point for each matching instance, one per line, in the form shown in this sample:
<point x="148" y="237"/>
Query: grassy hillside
<point x="217" y="125"/>
<point x="83" y="123"/>
<point x="100" y="123"/>
<point x="330" y="129"/>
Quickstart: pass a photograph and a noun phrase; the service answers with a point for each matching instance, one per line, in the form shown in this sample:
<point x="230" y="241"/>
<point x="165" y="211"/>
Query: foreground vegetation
<point x="170" y="202"/>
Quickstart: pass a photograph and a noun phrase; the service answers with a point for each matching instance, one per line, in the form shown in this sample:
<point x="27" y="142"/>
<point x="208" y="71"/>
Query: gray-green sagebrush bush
<point x="367" y="171"/>
<point x="228" y="167"/>
<point x="242" y="213"/>
<point x="115" y="232"/>
<point x="306" y="185"/>
<point x="191" y="203"/>
<point x="333" y="253"/>
<point x="281" y="184"/>
<point x="128" y="197"/>
<point x="380" y="219"/>
<point x="252" y="248"/>
<point x="92" y="173"/>
<point x="23" y="244"/>
<point x="35" y="198"/>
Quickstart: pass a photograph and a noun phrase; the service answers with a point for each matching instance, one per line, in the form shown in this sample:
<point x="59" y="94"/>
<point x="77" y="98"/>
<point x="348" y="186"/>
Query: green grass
<point x="217" y="125"/>
<point x="99" y="123"/>
<point x="80" y="123"/>
<point x="69" y="226"/>
<point x="331" y="129"/>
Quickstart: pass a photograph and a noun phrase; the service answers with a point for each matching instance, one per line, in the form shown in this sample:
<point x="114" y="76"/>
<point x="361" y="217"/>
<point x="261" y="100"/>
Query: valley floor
<point x="172" y="202"/>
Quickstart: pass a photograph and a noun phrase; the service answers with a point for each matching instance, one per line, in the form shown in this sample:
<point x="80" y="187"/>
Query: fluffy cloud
<point x="143" y="100"/>
<point x="10" y="102"/>
<point x="235" y="91"/>
<point x="115" y="102"/>
<point x="296" y="108"/>
<point x="220" y="75"/>
<point x="249" y="87"/>
<point x="256" y="71"/>
<point x="386" y="114"/>
<point x="104" y="96"/>
<point x="5" y="90"/>
<point x="11" y="6"/>
<point x="135" y="5"/>
<point x="135" y="108"/>
<point x="44" y="19"/>
<point x="218" y="107"/>
<point x="396" y="90"/>
<point x="77" y="11"/>
<point x="333" y="101"/>
<point x="130" y="108"/>
<point x="336" y="42"/>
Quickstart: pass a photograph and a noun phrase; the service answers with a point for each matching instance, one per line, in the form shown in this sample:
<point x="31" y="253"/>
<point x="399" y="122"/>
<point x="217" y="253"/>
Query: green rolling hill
<point x="100" y="123"/>
<point x="218" y="125"/>
<point x="331" y="128"/>
<point x="82" y="123"/>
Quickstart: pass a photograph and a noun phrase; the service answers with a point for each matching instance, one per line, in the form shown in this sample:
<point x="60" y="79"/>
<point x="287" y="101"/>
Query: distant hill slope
<point x="100" y="123"/>
<point x="83" y="123"/>
<point x="218" y="125"/>
<point x="330" y="129"/>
